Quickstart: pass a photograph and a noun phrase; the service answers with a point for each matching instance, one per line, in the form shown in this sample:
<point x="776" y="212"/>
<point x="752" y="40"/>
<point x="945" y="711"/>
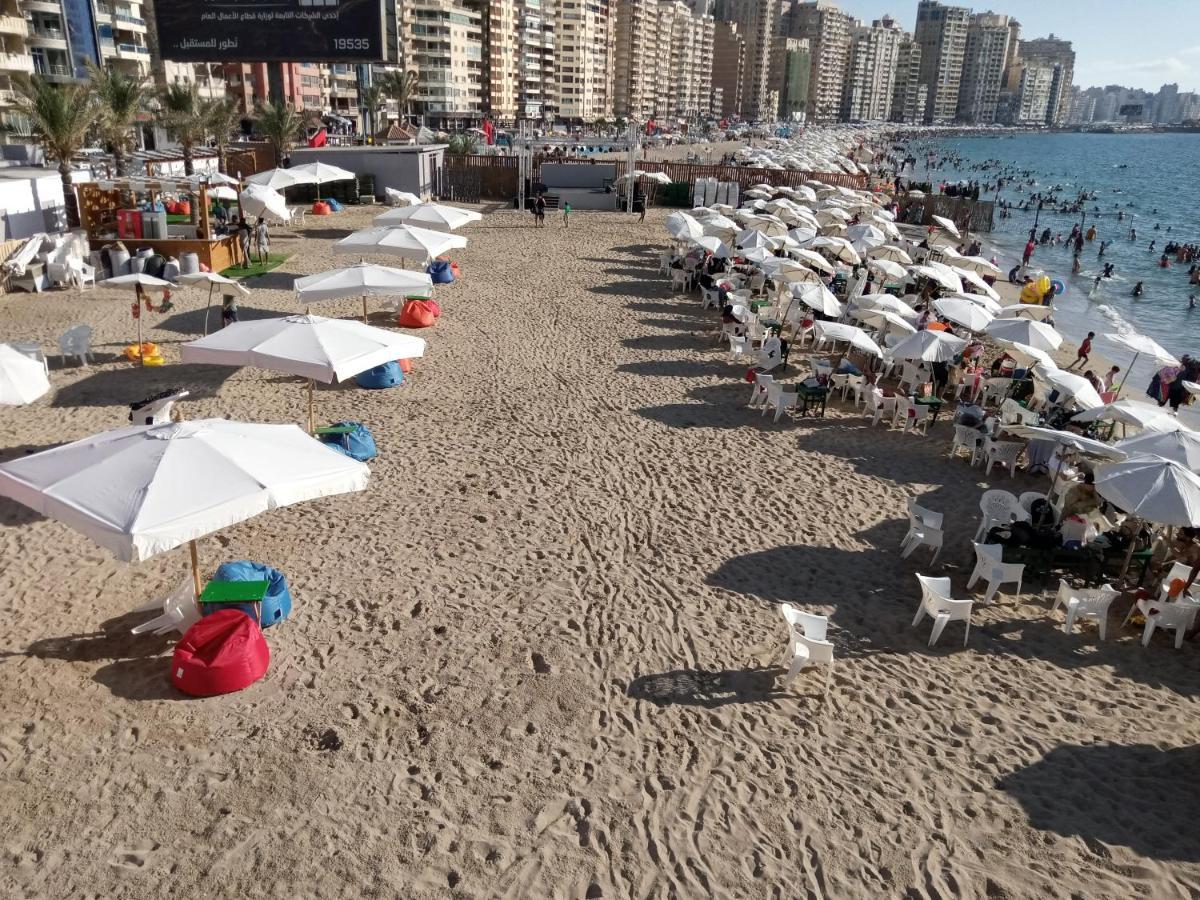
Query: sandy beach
<point x="539" y="656"/>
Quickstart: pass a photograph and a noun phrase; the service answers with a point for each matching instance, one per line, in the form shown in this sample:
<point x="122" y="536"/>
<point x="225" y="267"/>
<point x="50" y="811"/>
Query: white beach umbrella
<point x="981" y="300"/>
<point x="715" y="246"/>
<point x="137" y="282"/>
<point x="787" y="271"/>
<point x="278" y="179"/>
<point x="1181" y="445"/>
<point x="436" y="216"/>
<point x="1130" y="412"/>
<point x="886" y="321"/>
<point x="887" y="302"/>
<point x="1070" y="385"/>
<point x="312" y="347"/>
<point x="833" y="214"/>
<point x="802" y="236"/>
<point x="683" y="227"/>
<point x="750" y="239"/>
<point x="865" y="232"/>
<point x="363" y="280"/>
<point x="928" y="346"/>
<point x="1140" y="344"/>
<point x="1026" y="355"/>
<point x="196" y="179"/>
<point x="1152" y="488"/>
<point x="840" y="248"/>
<point x="22" y="379"/>
<point x="401" y="198"/>
<point x="222" y="192"/>
<point x="404" y="241"/>
<point x="886" y="267"/>
<point x="963" y="312"/>
<point x="946" y="225"/>
<point x="978" y="264"/>
<point x="722" y="227"/>
<point x="145" y="489"/>
<point x="943" y="276"/>
<point x="212" y="279"/>
<point x="1026" y="311"/>
<point x="856" y="337"/>
<point x="891" y="252"/>
<point x="1069" y="439"/>
<point x="817" y="296"/>
<point x="322" y="173"/>
<point x="767" y="224"/>
<point x="968" y="276"/>
<point x="1024" y="331"/>
<point x="257" y="200"/>
<point x="812" y="259"/>
<point x="757" y="255"/>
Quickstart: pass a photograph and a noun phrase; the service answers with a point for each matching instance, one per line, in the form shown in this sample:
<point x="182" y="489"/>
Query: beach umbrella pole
<point x="312" y="426"/>
<point x="208" y="307"/>
<point x="1127" y="371"/>
<point x="195" y="557"/>
<point x="364" y="309"/>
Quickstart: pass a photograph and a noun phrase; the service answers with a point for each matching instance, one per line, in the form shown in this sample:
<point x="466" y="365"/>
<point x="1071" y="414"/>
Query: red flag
<point x="318" y="139"/>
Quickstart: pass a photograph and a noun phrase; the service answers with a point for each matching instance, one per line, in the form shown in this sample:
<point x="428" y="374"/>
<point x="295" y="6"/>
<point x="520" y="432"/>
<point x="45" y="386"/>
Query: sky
<point x="1141" y="45"/>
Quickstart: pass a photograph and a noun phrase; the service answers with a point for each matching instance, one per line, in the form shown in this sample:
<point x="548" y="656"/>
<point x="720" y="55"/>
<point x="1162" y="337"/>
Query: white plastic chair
<point x="739" y="348"/>
<point x="998" y="508"/>
<point x="710" y="297"/>
<point x="1026" y="500"/>
<point x="879" y="406"/>
<point x="1178" y="616"/>
<point x="664" y="262"/>
<point x="937" y="603"/>
<point x="854" y="383"/>
<point x="77" y="341"/>
<point x="679" y="280"/>
<point x="917" y="417"/>
<point x="900" y="416"/>
<point x="1002" y="453"/>
<point x="989" y="564"/>
<point x="924" y="530"/>
<point x="81" y="273"/>
<point x="779" y="399"/>
<point x="995" y="390"/>
<point x="179" y="611"/>
<point x="966" y="438"/>
<point x="1085" y="604"/>
<point x="770" y="355"/>
<point x="758" y="393"/>
<point x="806" y="644"/>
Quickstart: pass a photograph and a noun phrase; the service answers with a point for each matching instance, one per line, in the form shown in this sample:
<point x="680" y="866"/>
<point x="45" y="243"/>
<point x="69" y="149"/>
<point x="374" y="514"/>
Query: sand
<point x="540" y="656"/>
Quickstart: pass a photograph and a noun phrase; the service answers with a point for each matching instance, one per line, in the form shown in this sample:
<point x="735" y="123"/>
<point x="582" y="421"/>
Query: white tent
<point x="363" y="280"/>
<point x="436" y="216"/>
<point x="22" y="379"/>
<point x="405" y="241"/>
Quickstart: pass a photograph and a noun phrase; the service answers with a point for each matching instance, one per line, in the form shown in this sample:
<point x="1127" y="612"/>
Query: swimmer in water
<point x="1192" y="302"/>
<point x="1137" y="289"/>
<point x="1150" y="249"/>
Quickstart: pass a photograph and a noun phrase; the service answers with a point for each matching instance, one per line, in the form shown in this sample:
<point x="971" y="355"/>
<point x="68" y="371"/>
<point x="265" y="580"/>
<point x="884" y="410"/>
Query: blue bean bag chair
<point x="385" y="376"/>
<point x="439" y="270"/>
<point x="358" y="444"/>
<point x="333" y="204"/>
<point x="276" y="606"/>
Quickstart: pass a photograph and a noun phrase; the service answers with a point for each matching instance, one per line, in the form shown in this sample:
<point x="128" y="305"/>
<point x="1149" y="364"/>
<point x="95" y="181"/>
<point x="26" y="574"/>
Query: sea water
<point x="1152" y="178"/>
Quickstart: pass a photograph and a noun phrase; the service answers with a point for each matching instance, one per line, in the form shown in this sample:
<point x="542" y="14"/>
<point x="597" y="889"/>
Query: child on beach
<point x="229" y="310"/>
<point x="1081" y="357"/>
<point x="566" y="215"/>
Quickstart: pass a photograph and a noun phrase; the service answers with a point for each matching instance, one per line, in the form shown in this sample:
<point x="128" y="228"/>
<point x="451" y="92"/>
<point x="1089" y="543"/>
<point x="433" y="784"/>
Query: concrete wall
<point x="575" y="175"/>
<point x="403" y="168"/>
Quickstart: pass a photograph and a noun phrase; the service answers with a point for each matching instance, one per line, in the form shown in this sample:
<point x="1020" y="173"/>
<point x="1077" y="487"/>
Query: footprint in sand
<point x="132" y="857"/>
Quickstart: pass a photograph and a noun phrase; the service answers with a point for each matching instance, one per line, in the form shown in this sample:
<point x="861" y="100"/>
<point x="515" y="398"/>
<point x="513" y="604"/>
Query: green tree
<point x="280" y="124"/>
<point x="60" y="117"/>
<point x="120" y="98"/>
<point x="372" y="99"/>
<point x="401" y="86"/>
<point x="182" y="112"/>
<point x="462" y="145"/>
<point x="224" y="118"/>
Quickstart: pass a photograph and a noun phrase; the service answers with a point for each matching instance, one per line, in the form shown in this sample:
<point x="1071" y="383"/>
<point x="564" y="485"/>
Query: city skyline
<point x="1113" y="46"/>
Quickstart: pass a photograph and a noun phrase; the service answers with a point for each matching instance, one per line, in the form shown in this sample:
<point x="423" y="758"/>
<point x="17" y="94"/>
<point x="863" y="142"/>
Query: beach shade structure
<point x="978" y="264"/>
<point x="887" y="302"/>
<point x="1140" y="344"/>
<point x="437" y="216"/>
<point x="715" y="246"/>
<point x="943" y="276"/>
<point x="869" y="234"/>
<point x="720" y="226"/>
<point x="812" y="259"/>
<point x="1028" y="356"/>
<point x="887" y="321"/>
<point x="838" y="248"/>
<point x="891" y="252"/>
<point x="278" y="179"/>
<point x="145" y="489"/>
<point x="1131" y="412"/>
<point x="138" y="282"/>
<point x="404" y="241"/>
<point x="817" y="296"/>
<point x="258" y="200"/>
<point x="802" y="235"/>
<point x="928" y="346"/>
<point x="963" y="312"/>
<point x="212" y="279"/>
<point x="772" y="226"/>
<point x="750" y="239"/>
<point x="22" y="378"/>
<point x="1026" y="311"/>
<point x="1024" y="331"/>
<point x="1181" y="445"/>
<point x="975" y="280"/>
<point x="946" y="225"/>
<point x="831" y="214"/>
<point x="683" y="227"/>
<point x="1153" y="489"/>
<point x="886" y="268"/>
<point x="757" y="255"/>
<point x="980" y="300"/>
<point x="1069" y="439"/>
<point x="1069" y="385"/>
<point x="222" y="192"/>
<point x="363" y="280"/>
<point x="196" y="179"/>
<point x="788" y="271"/>
<point x="312" y="347"/>
<point x="851" y="334"/>
<point x="321" y="173"/>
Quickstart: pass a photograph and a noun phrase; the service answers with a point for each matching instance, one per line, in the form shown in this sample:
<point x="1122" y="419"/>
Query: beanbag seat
<point x="358" y="443"/>
<point x="439" y="270"/>
<point x="385" y="376"/>
<point x="220" y="654"/>
<point x="275" y="607"/>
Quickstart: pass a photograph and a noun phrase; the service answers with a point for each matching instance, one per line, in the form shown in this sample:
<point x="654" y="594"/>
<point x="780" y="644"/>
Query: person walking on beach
<point x="1081" y="356"/>
<point x="566" y="215"/>
<point x="229" y="310"/>
<point x="244" y="240"/>
<point x="539" y="211"/>
<point x="262" y="240"/>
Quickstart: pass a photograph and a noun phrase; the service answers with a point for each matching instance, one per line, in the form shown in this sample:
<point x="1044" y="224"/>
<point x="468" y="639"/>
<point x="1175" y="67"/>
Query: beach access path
<point x="539" y="656"/>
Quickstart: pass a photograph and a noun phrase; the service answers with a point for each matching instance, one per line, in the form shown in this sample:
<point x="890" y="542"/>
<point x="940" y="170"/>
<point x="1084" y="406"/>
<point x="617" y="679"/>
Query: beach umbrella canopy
<point x="1024" y="331"/>
<point x="1181" y="445"/>
<point x="135" y="280"/>
<point x="257" y="200"/>
<point x="887" y="321"/>
<point x="713" y="245"/>
<point x="436" y="216"/>
<point x="757" y="255"/>
<point x="887" y="302"/>
<point x="839" y="248"/>
<point x="833" y="214"/>
<point x="856" y="337"/>
<point x="750" y="239"/>
<point x="946" y="225"/>
<point x="1130" y="412"/>
<point x="769" y="225"/>
<point x="963" y="312"/>
<point x="886" y="267"/>
<point x="980" y="300"/>
<point x="1140" y="344"/>
<point x="1026" y="311"/>
<point x="720" y="226"/>
<point x="402" y="198"/>
<point x="1073" y="386"/>
<point x="209" y="178"/>
<point x="22" y="379"/>
<point x="943" y="275"/>
<point x="321" y="173"/>
<point x="787" y="271"/>
<point x="405" y="241"/>
<point x="145" y="489"/>
<point x="812" y="259"/>
<point x="683" y="227"/>
<point x="817" y="296"/>
<point x="1152" y="488"/>
<point x="1069" y="439"/>
<point x="278" y="179"/>
<point x="222" y="192"/>
<point x="928" y="346"/>
<point x="1027" y="355"/>
<point x="968" y="276"/>
<point x="978" y="264"/>
<point x="865" y="233"/>
<point x="891" y="252"/>
<point x="803" y="236"/>
<point x="363" y="280"/>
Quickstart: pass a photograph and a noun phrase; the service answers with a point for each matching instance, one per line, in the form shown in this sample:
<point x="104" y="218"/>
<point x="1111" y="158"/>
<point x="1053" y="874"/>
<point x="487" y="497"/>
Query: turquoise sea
<point x="1152" y="178"/>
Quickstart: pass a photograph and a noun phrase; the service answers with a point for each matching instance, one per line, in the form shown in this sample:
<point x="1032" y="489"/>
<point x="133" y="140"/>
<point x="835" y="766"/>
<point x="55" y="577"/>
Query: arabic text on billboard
<point x="270" y="30"/>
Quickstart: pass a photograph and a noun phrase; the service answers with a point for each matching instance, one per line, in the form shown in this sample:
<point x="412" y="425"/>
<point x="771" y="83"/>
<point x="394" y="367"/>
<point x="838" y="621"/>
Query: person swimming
<point x="1137" y="289"/>
<point x="1108" y="269"/>
<point x="1192" y="302"/>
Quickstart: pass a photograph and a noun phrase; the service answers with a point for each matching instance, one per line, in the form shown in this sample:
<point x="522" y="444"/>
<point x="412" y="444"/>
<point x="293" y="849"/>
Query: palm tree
<point x="60" y="118"/>
<point x="280" y="124"/>
<point x="223" y="118"/>
<point x="372" y="99"/>
<point x="462" y="145"/>
<point x="182" y="112"/>
<point x="401" y="86"/>
<point x="121" y="99"/>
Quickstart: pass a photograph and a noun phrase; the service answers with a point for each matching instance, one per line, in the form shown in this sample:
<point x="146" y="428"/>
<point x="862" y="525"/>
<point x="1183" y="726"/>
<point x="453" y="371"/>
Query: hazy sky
<point x="1143" y="45"/>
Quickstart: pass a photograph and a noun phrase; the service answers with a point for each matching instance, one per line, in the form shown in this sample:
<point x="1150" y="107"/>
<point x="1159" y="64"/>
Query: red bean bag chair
<point x="416" y="314"/>
<point x="321" y="208"/>
<point x="220" y="654"/>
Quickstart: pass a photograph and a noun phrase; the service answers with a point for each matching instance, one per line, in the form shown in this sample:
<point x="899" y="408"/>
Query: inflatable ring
<point x="1059" y="287"/>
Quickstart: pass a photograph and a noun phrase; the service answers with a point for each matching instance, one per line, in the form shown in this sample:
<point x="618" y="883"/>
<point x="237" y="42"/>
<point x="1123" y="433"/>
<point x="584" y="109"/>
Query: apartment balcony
<point x="132" y="51"/>
<point x="127" y="22"/>
<point x="48" y="37"/>
<point x="343" y="93"/>
<point x="56" y="72"/>
<point x="14" y="25"/>
<point x="16" y="62"/>
<point x="51" y="6"/>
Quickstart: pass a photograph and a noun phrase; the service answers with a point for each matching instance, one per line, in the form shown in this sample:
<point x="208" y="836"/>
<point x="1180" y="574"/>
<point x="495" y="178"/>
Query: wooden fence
<point x="967" y="214"/>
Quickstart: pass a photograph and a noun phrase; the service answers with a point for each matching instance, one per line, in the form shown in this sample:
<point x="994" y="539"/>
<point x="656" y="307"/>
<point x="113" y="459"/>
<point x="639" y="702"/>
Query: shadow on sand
<point x="116" y="387"/>
<point x="698" y="687"/>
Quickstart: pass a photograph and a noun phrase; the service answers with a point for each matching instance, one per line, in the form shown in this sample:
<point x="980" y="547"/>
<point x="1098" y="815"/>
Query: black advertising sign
<point x="270" y="30"/>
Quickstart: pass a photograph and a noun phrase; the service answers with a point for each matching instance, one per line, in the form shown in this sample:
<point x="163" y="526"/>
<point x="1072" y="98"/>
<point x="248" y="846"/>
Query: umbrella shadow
<point x="191" y="322"/>
<point x="116" y="387"/>
<point x="672" y="309"/>
<point x="328" y="234"/>
<point x="709" y="689"/>
<point x="98" y="358"/>
<point x="640" y="288"/>
<point x="659" y="343"/>
<point x="1137" y="796"/>
<point x="273" y="280"/>
<point x="17" y="515"/>
<point x="678" y="368"/>
<point x="696" y="415"/>
<point x="637" y="249"/>
<point x="113" y="641"/>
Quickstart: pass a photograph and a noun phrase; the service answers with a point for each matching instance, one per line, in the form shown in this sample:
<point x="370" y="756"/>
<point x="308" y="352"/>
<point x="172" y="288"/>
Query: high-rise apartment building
<point x="909" y="95"/>
<point x="729" y="59"/>
<point x="942" y="34"/>
<point x="757" y="22"/>
<point x="1033" y="99"/>
<point x="663" y="55"/>
<point x="791" y="68"/>
<point x="635" y="48"/>
<point x="14" y="55"/>
<point x="871" y="71"/>
<point x="1055" y="53"/>
<point x="984" y="61"/>
<point x="443" y="40"/>
<point x="827" y="30"/>
<point x="583" y="65"/>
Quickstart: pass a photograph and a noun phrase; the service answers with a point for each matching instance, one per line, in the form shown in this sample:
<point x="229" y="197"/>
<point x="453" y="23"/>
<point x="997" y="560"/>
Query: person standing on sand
<point x="539" y="211"/>
<point x="1081" y="356"/>
<point x="566" y="215"/>
<point x="244" y="240"/>
<point x="1028" y="254"/>
<point x="262" y="240"/>
<point x="1110" y="377"/>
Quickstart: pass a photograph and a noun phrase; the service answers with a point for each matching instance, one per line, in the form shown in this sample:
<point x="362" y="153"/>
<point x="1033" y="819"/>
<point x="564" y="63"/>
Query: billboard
<point x="271" y="30"/>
